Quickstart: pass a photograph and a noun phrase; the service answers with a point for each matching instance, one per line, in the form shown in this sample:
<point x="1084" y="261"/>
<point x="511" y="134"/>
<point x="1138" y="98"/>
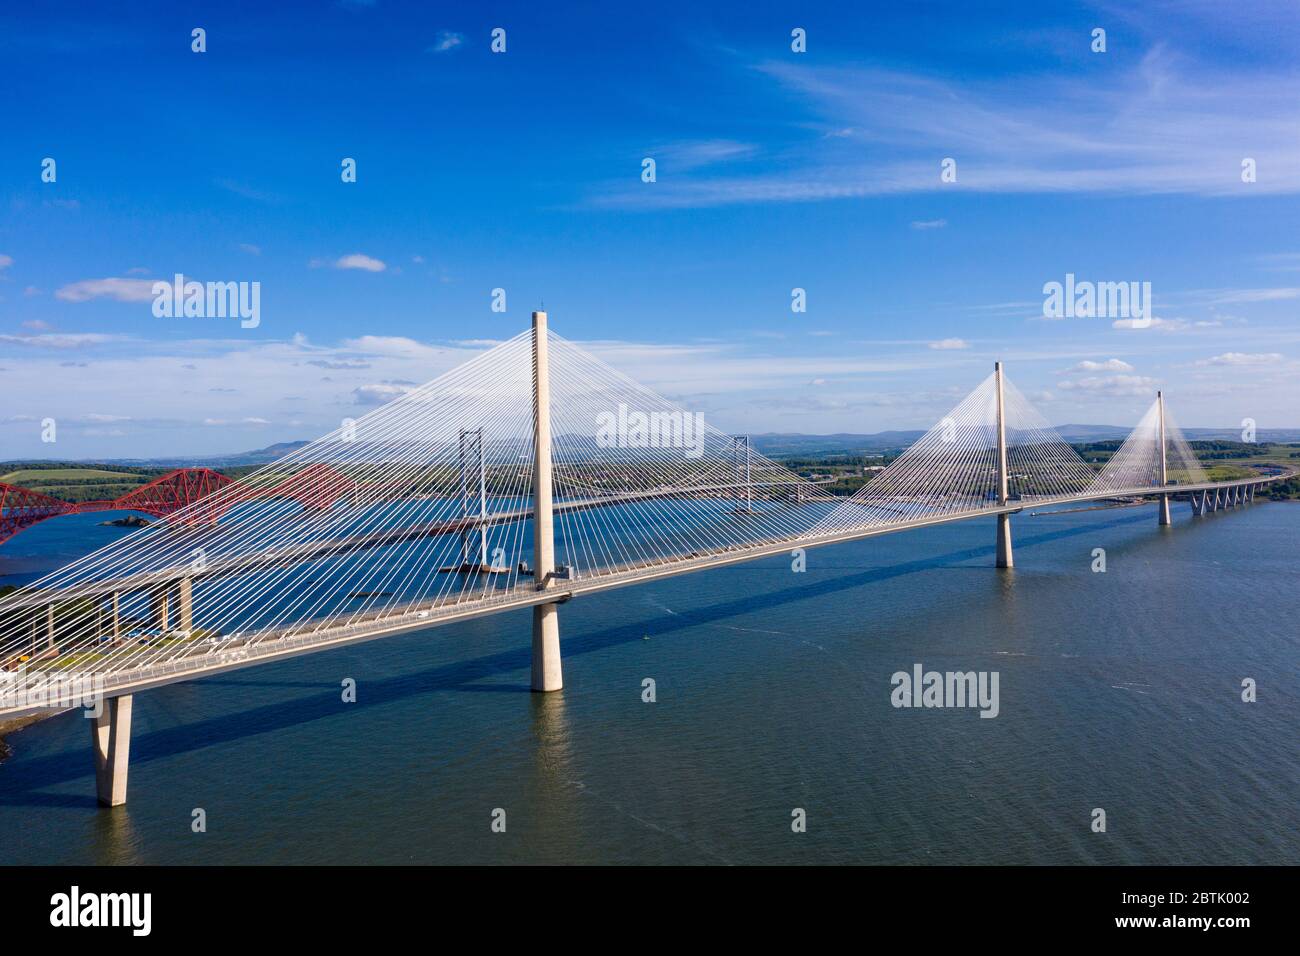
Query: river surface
<point x="1119" y="691"/>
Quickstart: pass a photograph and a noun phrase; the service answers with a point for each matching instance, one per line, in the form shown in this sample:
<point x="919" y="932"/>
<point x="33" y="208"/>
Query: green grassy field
<point x="51" y="476"/>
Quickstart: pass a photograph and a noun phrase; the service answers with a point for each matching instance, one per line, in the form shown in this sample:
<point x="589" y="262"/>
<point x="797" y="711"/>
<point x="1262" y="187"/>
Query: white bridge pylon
<point x="426" y="511"/>
<point x="957" y="467"/>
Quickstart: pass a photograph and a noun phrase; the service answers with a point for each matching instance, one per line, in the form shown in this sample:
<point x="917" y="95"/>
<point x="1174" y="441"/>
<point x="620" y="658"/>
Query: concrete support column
<point x="185" y="602"/>
<point x="110" y="737"/>
<point x="1005" y="557"/>
<point x="1165" y="518"/>
<point x="547" y="673"/>
<point x="160" y="607"/>
<point x="117" y="618"/>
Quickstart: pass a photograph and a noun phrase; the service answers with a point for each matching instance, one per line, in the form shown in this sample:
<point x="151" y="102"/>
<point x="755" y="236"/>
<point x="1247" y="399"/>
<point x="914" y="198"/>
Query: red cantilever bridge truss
<point x="316" y="486"/>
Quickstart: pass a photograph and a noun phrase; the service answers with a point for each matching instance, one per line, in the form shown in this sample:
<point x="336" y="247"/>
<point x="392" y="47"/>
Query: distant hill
<point x="771" y="444"/>
<point x="260" y="456"/>
<point x="788" y="445"/>
<point x="1087" y="433"/>
<point x="784" y="445"/>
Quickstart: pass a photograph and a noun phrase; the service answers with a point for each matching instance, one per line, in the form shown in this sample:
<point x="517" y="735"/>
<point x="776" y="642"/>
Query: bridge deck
<point x="259" y="647"/>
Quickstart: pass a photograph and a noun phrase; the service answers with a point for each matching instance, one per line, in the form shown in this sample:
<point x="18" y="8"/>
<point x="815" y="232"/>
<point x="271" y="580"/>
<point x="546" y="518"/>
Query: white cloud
<point x="1110" y="365"/>
<point x="249" y="420"/>
<point x="251" y="249"/>
<point x="1256" y="295"/>
<point x="1243" y="358"/>
<point x="1008" y="135"/>
<point x="123" y="290"/>
<point x="446" y="41"/>
<point x="689" y="155"/>
<point x="1111" y="386"/>
<point x="58" y="340"/>
<point x="394" y="346"/>
<point x="929" y="223"/>
<point x="379" y="393"/>
<point x="947" y="344"/>
<point x="6" y="261"/>
<point x="1160" y="325"/>
<point x="358" y="260"/>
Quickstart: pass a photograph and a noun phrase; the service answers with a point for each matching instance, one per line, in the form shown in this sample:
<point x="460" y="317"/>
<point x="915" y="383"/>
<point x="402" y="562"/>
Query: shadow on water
<point x="26" y="781"/>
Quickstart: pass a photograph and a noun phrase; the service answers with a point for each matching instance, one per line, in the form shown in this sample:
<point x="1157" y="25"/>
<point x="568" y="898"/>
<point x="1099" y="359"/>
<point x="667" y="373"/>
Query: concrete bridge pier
<point x="1005" y="557"/>
<point x="547" y="673"/>
<point x="161" y="608"/>
<point x="185" y="603"/>
<point x="1165" y="517"/>
<point x="110" y="737"/>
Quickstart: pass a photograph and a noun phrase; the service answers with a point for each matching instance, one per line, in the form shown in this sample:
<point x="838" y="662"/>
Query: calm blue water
<point x="1118" y="690"/>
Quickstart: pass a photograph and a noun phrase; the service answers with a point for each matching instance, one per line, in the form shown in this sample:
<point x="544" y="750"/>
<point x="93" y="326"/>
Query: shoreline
<point x="12" y="726"/>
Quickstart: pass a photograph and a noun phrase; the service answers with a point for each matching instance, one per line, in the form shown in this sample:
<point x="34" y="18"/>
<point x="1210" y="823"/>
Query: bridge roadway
<point x="307" y="550"/>
<point x="259" y="647"/>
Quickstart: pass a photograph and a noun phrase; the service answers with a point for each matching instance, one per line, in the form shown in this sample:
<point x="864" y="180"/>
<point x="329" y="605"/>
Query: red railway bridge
<point x="316" y="486"/>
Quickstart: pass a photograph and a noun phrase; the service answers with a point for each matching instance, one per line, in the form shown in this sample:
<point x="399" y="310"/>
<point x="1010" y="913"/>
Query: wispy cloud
<point x="944" y="345"/>
<point x="1166" y="124"/>
<point x="121" y="289"/>
<point x="355" y="260"/>
<point x="1111" y="386"/>
<point x="685" y="156"/>
<point x="446" y="41"/>
<point x="379" y="393"/>
<point x="58" y="340"/>
<point x="929" y="223"/>
<point x="1244" y="358"/>
<point x="1226" y="296"/>
<point x="1159" y="325"/>
<point x="247" y="191"/>
<point x="1110" y="365"/>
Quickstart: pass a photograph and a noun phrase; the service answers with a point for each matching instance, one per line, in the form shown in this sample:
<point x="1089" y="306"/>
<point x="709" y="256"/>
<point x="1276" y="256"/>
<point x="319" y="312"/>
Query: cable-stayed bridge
<point x="529" y="476"/>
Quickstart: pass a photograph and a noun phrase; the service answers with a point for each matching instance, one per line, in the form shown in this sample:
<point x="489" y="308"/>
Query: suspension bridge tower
<point x="1164" y="462"/>
<point x="547" y="673"/>
<point x="1005" y="558"/>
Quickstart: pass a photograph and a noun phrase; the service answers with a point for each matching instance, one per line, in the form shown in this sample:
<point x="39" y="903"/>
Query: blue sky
<point x="522" y="171"/>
